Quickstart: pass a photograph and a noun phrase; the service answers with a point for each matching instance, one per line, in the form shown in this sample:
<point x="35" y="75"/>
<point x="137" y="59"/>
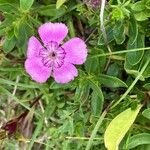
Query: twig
<point x="42" y="108"/>
<point x="121" y="52"/>
<point x="90" y="35"/>
<point x="14" y="90"/>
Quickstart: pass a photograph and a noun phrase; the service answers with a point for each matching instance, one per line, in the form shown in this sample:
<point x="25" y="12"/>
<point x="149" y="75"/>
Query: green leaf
<point x="50" y="10"/>
<point x="117" y="13"/>
<point x="146" y="113"/>
<point x="26" y="4"/>
<point x="146" y="73"/>
<point x="139" y="139"/>
<point x="119" y="32"/>
<point x="8" y="1"/>
<point x="22" y="28"/>
<point x="7" y="7"/>
<point x="147" y="86"/>
<point x="133" y="31"/>
<point x="114" y="69"/>
<point x="111" y="81"/>
<point x="91" y="65"/>
<point x="134" y="70"/>
<point x="138" y="6"/>
<point x="59" y="3"/>
<point x="96" y="104"/>
<point x="95" y="65"/>
<point x="142" y="15"/>
<point x="55" y="85"/>
<point x="99" y="96"/>
<point x="148" y="4"/>
<point x="110" y="37"/>
<point x="118" y="127"/>
<point x="9" y="44"/>
<point x="134" y="57"/>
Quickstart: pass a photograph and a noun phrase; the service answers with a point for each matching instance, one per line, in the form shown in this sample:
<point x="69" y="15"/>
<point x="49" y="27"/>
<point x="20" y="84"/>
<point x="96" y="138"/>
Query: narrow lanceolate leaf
<point x="119" y="127"/>
<point x="119" y="32"/>
<point x="59" y="3"/>
<point x="98" y="100"/>
<point x="96" y="104"/>
<point x="139" y="139"/>
<point x="134" y="57"/>
<point x="26" y="4"/>
<point x="146" y="113"/>
<point x="111" y="81"/>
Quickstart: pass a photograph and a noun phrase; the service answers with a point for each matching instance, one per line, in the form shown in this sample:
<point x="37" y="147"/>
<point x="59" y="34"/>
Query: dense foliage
<point x="114" y="81"/>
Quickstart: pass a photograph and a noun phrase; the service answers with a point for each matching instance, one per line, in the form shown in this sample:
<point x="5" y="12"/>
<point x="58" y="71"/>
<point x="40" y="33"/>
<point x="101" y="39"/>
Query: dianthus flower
<point x="52" y="58"/>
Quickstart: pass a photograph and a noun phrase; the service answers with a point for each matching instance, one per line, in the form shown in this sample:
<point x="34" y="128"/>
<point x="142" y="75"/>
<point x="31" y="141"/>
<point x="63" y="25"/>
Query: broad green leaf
<point x="96" y="104"/>
<point x="92" y="65"/>
<point x="139" y="139"/>
<point x="146" y="113"/>
<point x="136" y="40"/>
<point x="142" y="15"/>
<point x="110" y="37"/>
<point x="9" y="18"/>
<point x="22" y="28"/>
<point x="119" y="32"/>
<point x="133" y="31"/>
<point x="133" y="69"/>
<point x="99" y="95"/>
<point x="111" y="81"/>
<point x="50" y="10"/>
<point x="134" y="57"/>
<point x="114" y="70"/>
<point x="95" y="65"/>
<point x="26" y="4"/>
<point x="138" y="6"/>
<point x="7" y="7"/>
<point x="59" y="3"/>
<point x="9" y="44"/>
<point x="118" y="127"/>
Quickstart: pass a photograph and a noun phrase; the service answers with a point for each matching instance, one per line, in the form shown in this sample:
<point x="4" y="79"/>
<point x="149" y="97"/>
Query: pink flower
<point x="51" y="58"/>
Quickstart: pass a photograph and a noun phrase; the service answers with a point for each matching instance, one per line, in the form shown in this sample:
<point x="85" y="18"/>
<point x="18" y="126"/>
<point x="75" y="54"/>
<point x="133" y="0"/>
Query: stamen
<point x="52" y="55"/>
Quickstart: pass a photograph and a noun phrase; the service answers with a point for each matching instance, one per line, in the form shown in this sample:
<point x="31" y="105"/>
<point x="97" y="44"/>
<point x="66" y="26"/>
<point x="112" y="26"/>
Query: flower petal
<point x="65" y="73"/>
<point x="76" y="51"/>
<point x="34" y="67"/>
<point x="33" y="47"/>
<point x="53" y="32"/>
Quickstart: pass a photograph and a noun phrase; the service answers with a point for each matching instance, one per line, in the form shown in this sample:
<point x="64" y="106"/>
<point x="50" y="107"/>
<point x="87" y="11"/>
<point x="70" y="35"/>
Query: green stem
<point x="132" y="85"/>
<point x="89" y="144"/>
<point x="120" y="52"/>
<point x="36" y="133"/>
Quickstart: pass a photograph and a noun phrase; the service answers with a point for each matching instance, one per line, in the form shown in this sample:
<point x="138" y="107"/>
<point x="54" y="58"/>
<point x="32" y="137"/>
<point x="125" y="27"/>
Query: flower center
<point x="52" y="55"/>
